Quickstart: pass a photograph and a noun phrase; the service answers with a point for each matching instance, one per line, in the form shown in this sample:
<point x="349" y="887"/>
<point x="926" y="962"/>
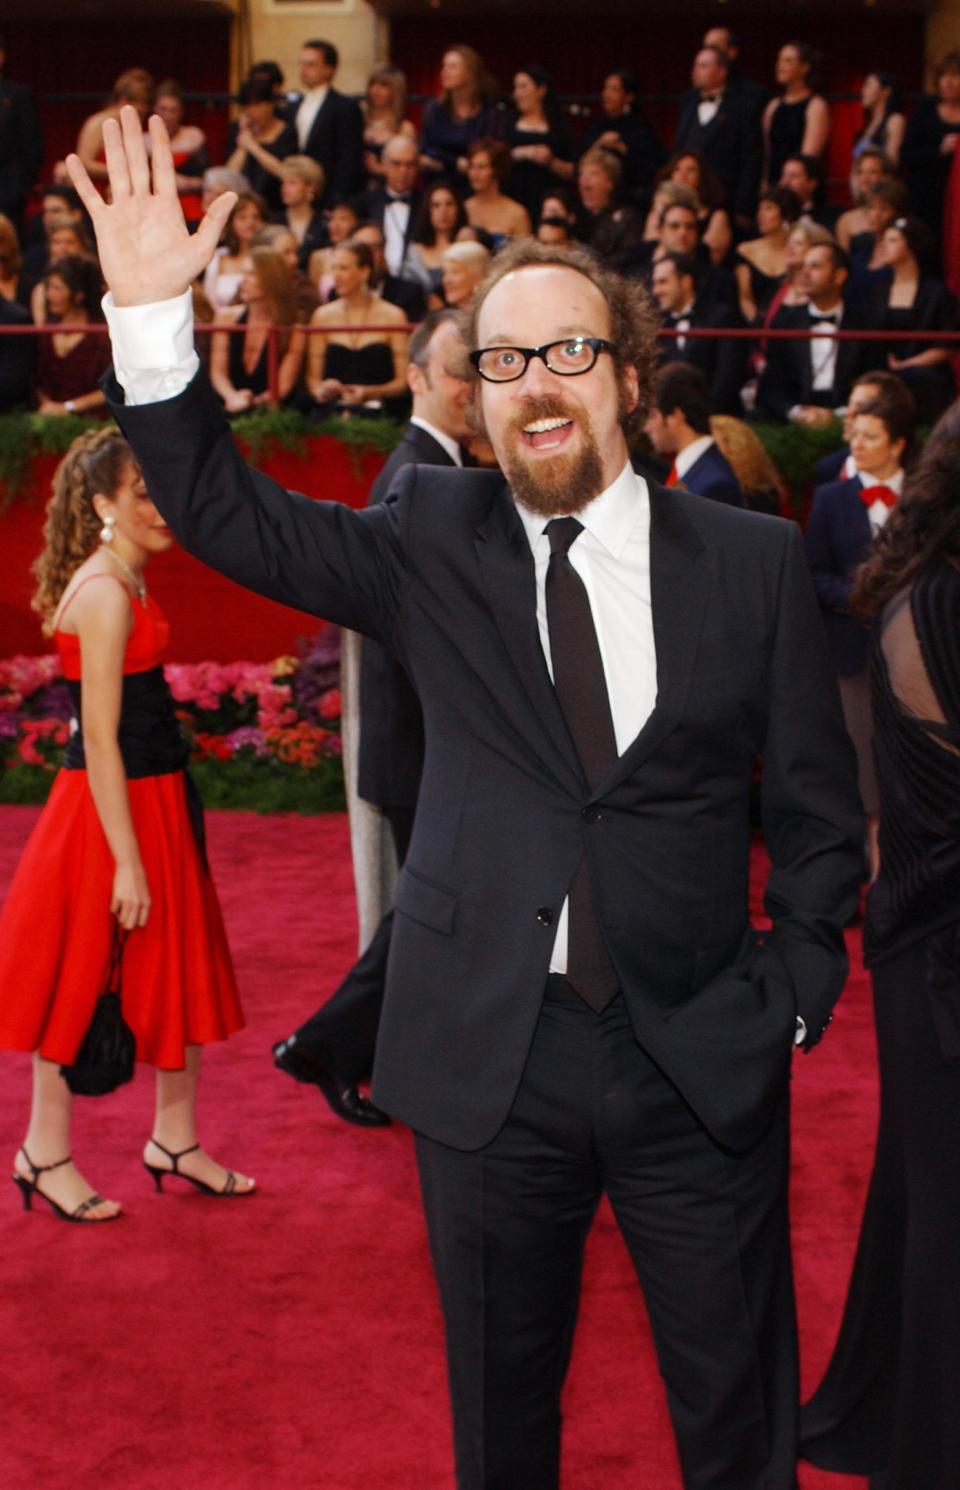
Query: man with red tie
<point x="679" y="426"/>
<point x="845" y="517"/>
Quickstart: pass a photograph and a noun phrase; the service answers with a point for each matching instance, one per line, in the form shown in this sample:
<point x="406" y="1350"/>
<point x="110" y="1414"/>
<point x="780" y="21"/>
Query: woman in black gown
<point x="887" y="1406"/>
<point x="540" y="141"/>
<point x="909" y="298"/>
<point x="351" y="367"/>
<point x="929" y="146"/>
<point x="798" y="122"/>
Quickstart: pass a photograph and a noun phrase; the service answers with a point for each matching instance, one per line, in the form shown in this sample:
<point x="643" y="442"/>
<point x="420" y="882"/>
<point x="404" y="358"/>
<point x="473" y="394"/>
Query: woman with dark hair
<point x="464" y="112"/>
<point x="441" y="217"/>
<point x="620" y="128"/>
<point x="688" y="168"/>
<point x="70" y="363"/>
<point x="883" y="204"/>
<point x="761" y="263"/>
<point x="914" y="299"/>
<point x="929" y="145"/>
<point x="798" y="122"/>
<point x="844" y="519"/>
<point x="188" y="144"/>
<point x="884" y="121"/>
<point x="259" y="142"/>
<point x="353" y="369"/>
<point x="488" y="165"/>
<point x="239" y="364"/>
<point x="539" y="138"/>
<point x="116" y="858"/>
<point x="887" y="1405"/>
<point x="221" y="280"/>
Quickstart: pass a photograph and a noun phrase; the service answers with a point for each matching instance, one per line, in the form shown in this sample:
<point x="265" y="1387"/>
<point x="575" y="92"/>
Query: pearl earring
<point x="106" y="532"/>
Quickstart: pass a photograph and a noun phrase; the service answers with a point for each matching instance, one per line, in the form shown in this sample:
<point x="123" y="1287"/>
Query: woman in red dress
<point x="117" y="847"/>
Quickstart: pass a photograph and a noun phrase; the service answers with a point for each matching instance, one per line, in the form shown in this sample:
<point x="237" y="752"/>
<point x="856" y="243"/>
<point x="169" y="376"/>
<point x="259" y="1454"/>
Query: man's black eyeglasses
<point x="569" y="358"/>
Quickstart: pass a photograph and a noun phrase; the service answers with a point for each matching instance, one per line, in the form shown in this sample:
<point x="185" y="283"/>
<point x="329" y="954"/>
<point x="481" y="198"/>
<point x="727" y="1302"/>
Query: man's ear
<point x="630" y="386"/>
<point x="416" y="381"/>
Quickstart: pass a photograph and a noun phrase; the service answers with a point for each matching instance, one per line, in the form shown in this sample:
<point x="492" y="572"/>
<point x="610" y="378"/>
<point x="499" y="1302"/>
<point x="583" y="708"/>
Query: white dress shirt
<point x="823" y="349"/>
<point x="612" y="557"/>
<point x="310" y="105"/>
<point x="396" y="219"/>
<point x="707" y="109"/>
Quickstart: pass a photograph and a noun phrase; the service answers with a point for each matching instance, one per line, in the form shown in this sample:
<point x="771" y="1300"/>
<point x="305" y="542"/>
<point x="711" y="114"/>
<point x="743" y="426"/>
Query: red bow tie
<point x="871" y="494"/>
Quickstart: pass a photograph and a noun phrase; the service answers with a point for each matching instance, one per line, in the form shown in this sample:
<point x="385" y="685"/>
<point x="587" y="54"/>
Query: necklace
<point x="137" y="580"/>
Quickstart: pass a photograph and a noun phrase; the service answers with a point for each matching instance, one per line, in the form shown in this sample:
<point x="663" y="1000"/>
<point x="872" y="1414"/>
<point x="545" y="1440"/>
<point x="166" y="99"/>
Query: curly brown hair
<point x="924" y="524"/>
<point x="95" y="462"/>
<point x="633" y="320"/>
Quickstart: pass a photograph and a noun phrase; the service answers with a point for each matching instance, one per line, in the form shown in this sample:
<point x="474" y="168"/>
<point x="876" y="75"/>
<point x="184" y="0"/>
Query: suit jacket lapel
<point x="430" y="450"/>
<point x="679" y="592"/>
<point x="506" y="564"/>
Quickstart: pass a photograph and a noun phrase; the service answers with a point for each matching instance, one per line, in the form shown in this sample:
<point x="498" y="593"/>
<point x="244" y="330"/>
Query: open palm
<point x="146" y="252"/>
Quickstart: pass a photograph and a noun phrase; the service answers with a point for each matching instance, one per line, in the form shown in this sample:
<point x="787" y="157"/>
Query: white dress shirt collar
<point x="610" y="518"/>
<point x="684" y="459"/>
<point x="446" y="442"/>
<point x="895" y="482"/>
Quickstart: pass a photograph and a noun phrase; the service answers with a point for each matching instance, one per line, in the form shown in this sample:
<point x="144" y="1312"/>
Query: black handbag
<point x="107" y="1052"/>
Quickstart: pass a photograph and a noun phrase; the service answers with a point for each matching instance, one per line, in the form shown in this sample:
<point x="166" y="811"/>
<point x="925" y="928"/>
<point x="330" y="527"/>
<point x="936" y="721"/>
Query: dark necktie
<point x="832" y="316"/>
<point x="582" y="691"/>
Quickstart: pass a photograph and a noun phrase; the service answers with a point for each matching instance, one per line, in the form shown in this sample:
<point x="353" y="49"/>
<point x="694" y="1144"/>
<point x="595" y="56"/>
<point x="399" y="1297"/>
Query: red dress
<point x="56" y="929"/>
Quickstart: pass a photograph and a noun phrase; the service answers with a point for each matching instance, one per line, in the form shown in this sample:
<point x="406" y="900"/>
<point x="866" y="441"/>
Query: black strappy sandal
<point x="29" y="1188"/>
<point x="230" y="1185"/>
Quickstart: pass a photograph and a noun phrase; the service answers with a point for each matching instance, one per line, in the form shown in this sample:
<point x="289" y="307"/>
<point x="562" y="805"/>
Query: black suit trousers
<point x="343" y="1032"/>
<point x="707" y="1232"/>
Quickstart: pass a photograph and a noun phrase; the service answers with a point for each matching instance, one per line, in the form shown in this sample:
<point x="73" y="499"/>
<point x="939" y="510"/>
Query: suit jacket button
<point x="545" y="916"/>
<point x="591" y="814"/>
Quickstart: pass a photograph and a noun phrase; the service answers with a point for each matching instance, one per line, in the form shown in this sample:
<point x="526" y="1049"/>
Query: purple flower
<point x="249" y="737"/>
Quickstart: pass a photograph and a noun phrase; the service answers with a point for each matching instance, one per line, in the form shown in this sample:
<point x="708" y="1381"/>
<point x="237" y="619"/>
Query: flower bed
<point x="264" y="736"/>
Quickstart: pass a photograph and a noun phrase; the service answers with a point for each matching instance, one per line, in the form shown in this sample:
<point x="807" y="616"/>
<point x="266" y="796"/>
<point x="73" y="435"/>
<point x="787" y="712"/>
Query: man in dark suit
<point x="808" y="381"/>
<point x="394" y="207"/>
<point x="329" y="125"/>
<point x="754" y="94"/>
<point x="576" y="1001"/>
<point x="17" y="359"/>
<point x="720" y="125"/>
<point x="722" y="360"/>
<point x="21" y="145"/>
<point x="401" y="292"/>
<point x="803" y="175"/>
<point x="679" y="427"/>
<point x="335" y="1048"/>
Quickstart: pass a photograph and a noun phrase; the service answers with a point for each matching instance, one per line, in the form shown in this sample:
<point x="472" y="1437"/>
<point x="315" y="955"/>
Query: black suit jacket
<point x="390" y="756"/>
<point x="787" y="378"/>
<point x="21" y="147"/>
<point x="722" y="361"/>
<point x="335" y="141"/>
<point x="442" y="573"/>
<point x="712" y="476"/>
<point x="731" y="144"/>
<point x="838" y="539"/>
<point x="829" y="467"/>
<point x="18" y="355"/>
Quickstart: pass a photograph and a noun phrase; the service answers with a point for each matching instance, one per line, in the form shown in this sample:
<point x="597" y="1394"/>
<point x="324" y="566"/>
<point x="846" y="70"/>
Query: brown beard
<point x="563" y="484"/>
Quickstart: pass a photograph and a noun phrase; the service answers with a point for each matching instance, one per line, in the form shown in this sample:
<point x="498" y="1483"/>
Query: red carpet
<point x="294" y="1340"/>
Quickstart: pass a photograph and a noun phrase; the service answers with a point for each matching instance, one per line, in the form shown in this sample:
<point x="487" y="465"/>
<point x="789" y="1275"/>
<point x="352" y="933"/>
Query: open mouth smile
<point x="547" y="434"/>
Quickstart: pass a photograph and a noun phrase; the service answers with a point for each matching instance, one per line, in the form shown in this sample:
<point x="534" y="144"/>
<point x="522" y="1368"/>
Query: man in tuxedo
<point x="576" y="1000"/>
<point x="21" y="145"/>
<point x="722" y="360"/>
<point x="808" y="381"/>
<point x="720" y="125"/>
<point x="329" y="125"/>
<point x="679" y="427"/>
<point x="803" y="175"/>
<point x="334" y="1050"/>
<point x="401" y="292"/>
<point x="754" y="94"/>
<point x="394" y="207"/>
<point x="680" y="234"/>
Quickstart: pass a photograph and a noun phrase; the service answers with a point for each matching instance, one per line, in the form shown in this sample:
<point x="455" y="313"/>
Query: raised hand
<point x="146" y="252"/>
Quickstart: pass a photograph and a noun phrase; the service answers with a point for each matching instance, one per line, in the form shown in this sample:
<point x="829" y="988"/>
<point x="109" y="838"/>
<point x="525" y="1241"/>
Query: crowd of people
<point x="731" y="230"/>
<point x="578" y="844"/>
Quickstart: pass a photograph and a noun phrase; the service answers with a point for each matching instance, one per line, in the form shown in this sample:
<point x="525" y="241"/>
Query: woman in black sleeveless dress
<point x="798" y="122"/>
<point x="887" y="1406"/>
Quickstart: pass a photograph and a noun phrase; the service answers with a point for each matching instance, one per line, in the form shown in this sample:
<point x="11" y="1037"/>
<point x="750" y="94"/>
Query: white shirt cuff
<point x="801" y="1034"/>
<point x="153" y="351"/>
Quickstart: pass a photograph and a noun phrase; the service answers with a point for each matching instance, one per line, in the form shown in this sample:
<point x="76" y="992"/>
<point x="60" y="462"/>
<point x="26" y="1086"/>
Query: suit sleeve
<point x="812" y="817"/>
<point x="320" y="557"/>
<point x="348" y="174"/>
<point x="833" y="588"/>
<point x="776" y="394"/>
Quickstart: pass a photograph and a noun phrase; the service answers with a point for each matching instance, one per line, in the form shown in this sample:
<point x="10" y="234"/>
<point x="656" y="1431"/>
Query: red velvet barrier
<point x="210" y="617"/>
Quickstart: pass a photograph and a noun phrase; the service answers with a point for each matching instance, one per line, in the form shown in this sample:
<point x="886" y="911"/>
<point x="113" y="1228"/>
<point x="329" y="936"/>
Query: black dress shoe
<point x="343" y="1098"/>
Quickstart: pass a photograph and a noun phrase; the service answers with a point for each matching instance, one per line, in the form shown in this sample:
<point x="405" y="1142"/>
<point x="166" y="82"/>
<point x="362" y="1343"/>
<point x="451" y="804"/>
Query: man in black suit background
<point x="719" y="123"/>
<point x="394" y="207"/>
<point x="21" y="144"/>
<point x="803" y="175"/>
<point x="754" y="94"/>
<point x="722" y="360"/>
<point x="334" y="1050"/>
<point x="679" y="427"/>
<point x="401" y="292"/>
<point x="680" y="234"/>
<point x="808" y="381"/>
<point x="576" y="1003"/>
<point x="329" y="125"/>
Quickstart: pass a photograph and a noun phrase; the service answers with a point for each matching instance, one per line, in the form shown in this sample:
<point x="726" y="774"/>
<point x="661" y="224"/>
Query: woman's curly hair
<point x="95" y="462"/>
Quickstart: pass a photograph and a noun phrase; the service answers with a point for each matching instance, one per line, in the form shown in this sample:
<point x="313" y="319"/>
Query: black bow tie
<point x="710" y="97"/>
<point x="833" y="317"/>
<point x="400" y="196"/>
<point x="675" y="317"/>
